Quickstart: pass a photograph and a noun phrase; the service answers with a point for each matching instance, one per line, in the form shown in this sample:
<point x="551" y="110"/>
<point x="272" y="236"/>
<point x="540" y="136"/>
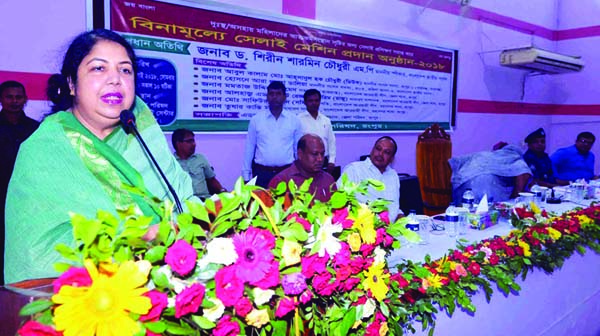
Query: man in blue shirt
<point x="538" y="160"/>
<point x="272" y="138"/>
<point x="575" y="162"/>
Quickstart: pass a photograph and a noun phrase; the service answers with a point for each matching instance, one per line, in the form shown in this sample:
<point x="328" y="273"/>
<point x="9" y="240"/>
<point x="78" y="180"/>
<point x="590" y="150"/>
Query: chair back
<point x="434" y="148"/>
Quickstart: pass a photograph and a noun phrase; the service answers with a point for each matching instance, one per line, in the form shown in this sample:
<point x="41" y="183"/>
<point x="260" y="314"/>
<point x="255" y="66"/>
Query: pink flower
<point x="285" y="306"/>
<point x="343" y="256"/>
<point x="373" y="328"/>
<point x="460" y="270"/>
<point x="253" y="248"/>
<point x="494" y="259"/>
<point x="385" y="217"/>
<point x="34" y="328"/>
<point x="383" y="237"/>
<point x="322" y="285"/>
<point x="226" y="327"/>
<point x="314" y="264"/>
<point x="189" y="300"/>
<point x="293" y="284"/>
<point x="306" y="224"/>
<point x="349" y="284"/>
<point x="229" y="288"/>
<point x="271" y="279"/>
<point x="340" y="216"/>
<point x="150" y="333"/>
<point x="243" y="307"/>
<point x="74" y="276"/>
<point x="343" y="272"/>
<point x="181" y="256"/>
<point x="306" y="297"/>
<point x="159" y="303"/>
<point x="474" y="268"/>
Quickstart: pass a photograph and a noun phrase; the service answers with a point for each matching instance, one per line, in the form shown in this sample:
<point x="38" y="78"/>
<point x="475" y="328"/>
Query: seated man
<point x="311" y="153"/>
<point x="203" y="176"/>
<point x="501" y="174"/>
<point x="377" y="167"/>
<point x="575" y="162"/>
<point x="538" y="160"/>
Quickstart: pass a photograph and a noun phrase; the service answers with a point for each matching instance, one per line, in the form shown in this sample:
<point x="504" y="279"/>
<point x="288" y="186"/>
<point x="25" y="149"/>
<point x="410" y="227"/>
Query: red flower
<point x="340" y="216"/>
<point x="453" y="276"/>
<point x="243" y="307"/>
<point x="189" y="300"/>
<point x="383" y="237"/>
<point x="322" y="285"/>
<point x="75" y="276"/>
<point x="385" y="217"/>
<point x="271" y="278"/>
<point x="399" y="279"/>
<point x="474" y="268"/>
<point x="510" y="251"/>
<point x="159" y="303"/>
<point x="228" y="287"/>
<point x="314" y="264"/>
<point x="181" y="256"/>
<point x="285" y="306"/>
<point x="519" y="250"/>
<point x="305" y="224"/>
<point x="494" y="259"/>
<point x="34" y="328"/>
<point x="349" y="284"/>
<point x="226" y="327"/>
<point x="306" y="297"/>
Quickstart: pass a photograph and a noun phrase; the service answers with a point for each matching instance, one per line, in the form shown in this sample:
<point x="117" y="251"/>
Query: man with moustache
<point x="377" y="167"/>
<point x="272" y="138"/>
<point x="312" y="121"/>
<point x="577" y="161"/>
<point x="538" y="160"/>
<point x="309" y="165"/>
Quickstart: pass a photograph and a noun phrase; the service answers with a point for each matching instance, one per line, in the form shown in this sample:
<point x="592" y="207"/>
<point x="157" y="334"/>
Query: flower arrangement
<point x="527" y="214"/>
<point x="255" y="263"/>
<point x="250" y="263"/>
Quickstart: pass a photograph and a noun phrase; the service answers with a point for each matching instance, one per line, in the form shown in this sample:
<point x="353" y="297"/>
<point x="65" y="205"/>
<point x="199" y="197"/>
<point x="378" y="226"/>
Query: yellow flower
<point x="554" y="234"/>
<point x="383" y="330"/>
<point x="534" y="208"/>
<point x="434" y="280"/>
<point x="584" y="220"/>
<point x="525" y="247"/>
<point x="354" y="242"/>
<point x="290" y="251"/>
<point x="257" y="317"/>
<point x="364" y="222"/>
<point x="375" y="281"/>
<point x="105" y="306"/>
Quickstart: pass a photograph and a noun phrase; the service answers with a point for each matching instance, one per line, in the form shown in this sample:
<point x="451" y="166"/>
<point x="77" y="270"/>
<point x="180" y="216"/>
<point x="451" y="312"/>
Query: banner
<point x="208" y="70"/>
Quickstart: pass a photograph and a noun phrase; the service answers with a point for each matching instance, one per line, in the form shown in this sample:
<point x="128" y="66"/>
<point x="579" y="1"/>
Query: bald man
<point x="311" y="153"/>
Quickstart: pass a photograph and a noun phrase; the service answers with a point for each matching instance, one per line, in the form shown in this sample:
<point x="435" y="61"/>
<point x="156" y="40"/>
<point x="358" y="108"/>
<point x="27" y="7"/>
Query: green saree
<point x="64" y="168"/>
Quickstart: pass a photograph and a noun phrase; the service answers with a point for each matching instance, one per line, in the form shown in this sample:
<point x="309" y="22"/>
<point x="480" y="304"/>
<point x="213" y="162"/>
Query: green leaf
<point x="155" y="254"/>
<point x="35" y="307"/>
<point x="66" y="251"/>
<point x="348" y="321"/>
<point x="203" y="322"/>
<point x="198" y="211"/>
<point x="176" y="329"/>
<point x="84" y="229"/>
<point x="279" y="327"/>
<point x="157" y="327"/>
<point x="294" y="231"/>
<point x="338" y="200"/>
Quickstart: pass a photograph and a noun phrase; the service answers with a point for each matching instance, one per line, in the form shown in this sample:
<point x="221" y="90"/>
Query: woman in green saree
<point x="80" y="160"/>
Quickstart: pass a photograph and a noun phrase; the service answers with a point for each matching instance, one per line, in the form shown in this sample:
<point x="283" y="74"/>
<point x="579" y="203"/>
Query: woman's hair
<point x="58" y="88"/>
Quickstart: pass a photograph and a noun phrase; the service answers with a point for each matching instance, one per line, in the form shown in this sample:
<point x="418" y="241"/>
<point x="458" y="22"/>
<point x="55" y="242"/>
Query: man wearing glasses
<point x="204" y="180"/>
<point x="575" y="162"/>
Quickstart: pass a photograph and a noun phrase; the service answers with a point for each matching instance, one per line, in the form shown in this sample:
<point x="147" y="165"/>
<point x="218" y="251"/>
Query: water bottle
<point x="468" y="199"/>
<point x="451" y="221"/>
<point x="413" y="224"/>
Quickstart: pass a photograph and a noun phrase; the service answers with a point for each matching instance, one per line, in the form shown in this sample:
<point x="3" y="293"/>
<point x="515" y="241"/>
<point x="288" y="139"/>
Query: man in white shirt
<point x="377" y="167"/>
<point x="272" y="138"/>
<point x="313" y="122"/>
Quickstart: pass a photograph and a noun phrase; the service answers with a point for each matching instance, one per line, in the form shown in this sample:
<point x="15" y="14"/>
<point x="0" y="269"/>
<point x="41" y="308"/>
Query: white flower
<point x="369" y="308"/>
<point x="379" y="255"/>
<point x="262" y="296"/>
<point x="171" y="302"/>
<point x="328" y="243"/>
<point x="214" y="313"/>
<point x="488" y="251"/>
<point x="221" y="251"/>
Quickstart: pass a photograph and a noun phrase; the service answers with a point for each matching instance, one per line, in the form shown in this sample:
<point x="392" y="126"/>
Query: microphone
<point x="128" y="121"/>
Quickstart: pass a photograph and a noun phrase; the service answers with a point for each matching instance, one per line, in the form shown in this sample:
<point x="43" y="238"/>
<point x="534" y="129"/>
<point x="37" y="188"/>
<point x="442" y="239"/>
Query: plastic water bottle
<point x="452" y="221"/>
<point x="413" y="223"/>
<point x="468" y="199"/>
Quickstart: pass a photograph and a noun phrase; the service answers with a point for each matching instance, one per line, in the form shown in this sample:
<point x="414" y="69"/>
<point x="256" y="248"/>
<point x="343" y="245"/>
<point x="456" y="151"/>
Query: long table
<point x="566" y="302"/>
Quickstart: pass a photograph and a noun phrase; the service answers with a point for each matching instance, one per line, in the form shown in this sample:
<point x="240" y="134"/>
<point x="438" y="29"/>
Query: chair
<point x="434" y="148"/>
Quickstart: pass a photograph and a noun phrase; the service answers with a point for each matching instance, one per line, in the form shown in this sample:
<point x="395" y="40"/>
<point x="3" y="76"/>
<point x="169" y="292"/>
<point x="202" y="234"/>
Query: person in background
<point x="377" y="167"/>
<point x="204" y="180"/>
<point x="15" y="127"/>
<point x="272" y="138"/>
<point x="501" y="174"/>
<point x="575" y="162"/>
<point x="538" y="160"/>
<point x="81" y="160"/>
<point x="317" y="123"/>
<point x="309" y="165"/>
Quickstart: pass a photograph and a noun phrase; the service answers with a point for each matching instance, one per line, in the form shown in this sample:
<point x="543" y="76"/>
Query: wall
<point x="495" y="103"/>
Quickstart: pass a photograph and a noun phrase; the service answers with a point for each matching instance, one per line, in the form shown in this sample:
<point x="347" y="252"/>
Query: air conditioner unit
<point x="538" y="60"/>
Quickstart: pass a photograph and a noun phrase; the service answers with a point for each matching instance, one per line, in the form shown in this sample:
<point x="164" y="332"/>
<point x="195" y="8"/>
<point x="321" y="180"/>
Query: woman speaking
<point x="81" y="160"/>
